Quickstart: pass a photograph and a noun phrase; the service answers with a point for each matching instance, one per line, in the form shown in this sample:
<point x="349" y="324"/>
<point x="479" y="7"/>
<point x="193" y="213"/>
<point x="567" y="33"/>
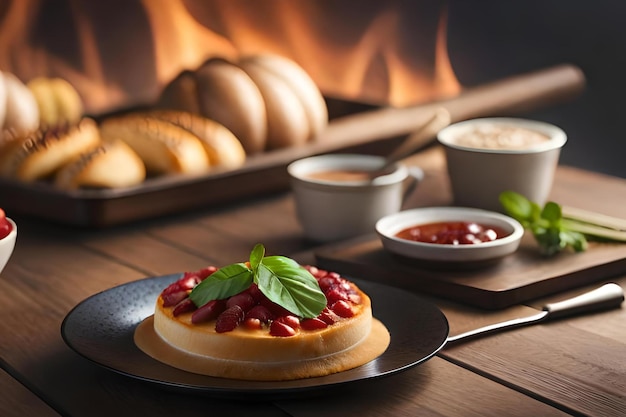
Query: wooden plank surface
<point x="435" y="388"/>
<point x="18" y="401"/>
<point x="576" y="363"/>
<point x="573" y="366"/>
<point x="37" y="293"/>
<point x="81" y="388"/>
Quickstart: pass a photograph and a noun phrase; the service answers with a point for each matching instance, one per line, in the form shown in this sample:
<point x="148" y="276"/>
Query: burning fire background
<point x="121" y="52"/>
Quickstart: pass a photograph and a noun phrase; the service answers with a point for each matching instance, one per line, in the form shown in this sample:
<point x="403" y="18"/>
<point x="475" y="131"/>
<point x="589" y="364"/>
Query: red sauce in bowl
<point x="452" y="233"/>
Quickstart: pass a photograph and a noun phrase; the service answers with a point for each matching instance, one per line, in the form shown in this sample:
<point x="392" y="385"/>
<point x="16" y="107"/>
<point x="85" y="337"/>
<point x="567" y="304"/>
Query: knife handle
<point x="607" y="296"/>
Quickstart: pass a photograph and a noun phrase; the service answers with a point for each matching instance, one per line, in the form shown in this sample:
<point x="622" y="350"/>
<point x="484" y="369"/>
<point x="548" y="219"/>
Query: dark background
<point x="493" y="39"/>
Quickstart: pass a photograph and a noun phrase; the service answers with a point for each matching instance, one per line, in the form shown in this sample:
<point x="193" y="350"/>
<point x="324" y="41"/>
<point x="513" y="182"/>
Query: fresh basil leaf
<point x="226" y="281"/>
<point x="516" y="205"/>
<point x="288" y="284"/>
<point x="551" y="212"/>
<point x="256" y="256"/>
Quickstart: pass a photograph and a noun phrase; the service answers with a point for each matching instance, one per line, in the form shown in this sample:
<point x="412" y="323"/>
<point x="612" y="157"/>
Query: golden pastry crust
<point x="111" y="164"/>
<point x="163" y="147"/>
<point x="221" y="145"/>
<point x="39" y="155"/>
<point x="372" y="346"/>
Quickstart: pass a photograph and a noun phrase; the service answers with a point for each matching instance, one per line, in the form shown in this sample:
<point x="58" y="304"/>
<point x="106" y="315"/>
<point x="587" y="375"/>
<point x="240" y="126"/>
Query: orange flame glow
<point x="121" y="53"/>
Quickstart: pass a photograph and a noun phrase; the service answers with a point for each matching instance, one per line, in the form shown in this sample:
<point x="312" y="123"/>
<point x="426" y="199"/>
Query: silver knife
<point x="608" y="296"/>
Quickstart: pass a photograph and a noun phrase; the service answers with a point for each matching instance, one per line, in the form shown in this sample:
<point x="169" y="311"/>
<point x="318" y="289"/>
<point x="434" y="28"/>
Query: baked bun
<point x="57" y="100"/>
<point x="230" y="97"/>
<point x="164" y="147"/>
<point x="110" y="164"/>
<point x="181" y="94"/>
<point x="265" y="100"/>
<point x="287" y="122"/>
<point x="40" y="154"/>
<point x="21" y="114"/>
<point x="222" y="147"/>
<point x="301" y="84"/>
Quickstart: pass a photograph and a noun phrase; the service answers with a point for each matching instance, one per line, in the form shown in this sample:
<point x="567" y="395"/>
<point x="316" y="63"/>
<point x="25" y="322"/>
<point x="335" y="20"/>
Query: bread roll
<point x="58" y="102"/>
<point x="181" y="94"/>
<point x="301" y="84"/>
<point x="222" y="147"/>
<point x="22" y="112"/>
<point x="40" y="154"/>
<point x="69" y="104"/>
<point x="163" y="147"/>
<point x="230" y="97"/>
<point x="44" y="97"/>
<point x="287" y="122"/>
<point x="111" y="164"/>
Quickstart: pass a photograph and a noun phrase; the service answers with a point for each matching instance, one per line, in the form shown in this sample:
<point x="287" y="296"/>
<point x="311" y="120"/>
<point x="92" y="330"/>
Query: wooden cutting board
<point x="517" y="278"/>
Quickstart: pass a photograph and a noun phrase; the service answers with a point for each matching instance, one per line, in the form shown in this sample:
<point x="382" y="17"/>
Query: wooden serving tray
<point x="517" y="278"/>
<point x="262" y="174"/>
<point x="353" y="127"/>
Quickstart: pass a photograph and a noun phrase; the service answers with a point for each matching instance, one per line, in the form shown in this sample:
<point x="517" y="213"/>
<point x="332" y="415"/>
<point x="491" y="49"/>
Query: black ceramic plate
<point x="101" y="329"/>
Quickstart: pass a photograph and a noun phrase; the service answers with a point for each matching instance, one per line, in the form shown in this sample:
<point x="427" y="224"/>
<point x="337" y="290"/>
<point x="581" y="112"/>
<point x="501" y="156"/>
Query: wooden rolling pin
<point x="514" y="95"/>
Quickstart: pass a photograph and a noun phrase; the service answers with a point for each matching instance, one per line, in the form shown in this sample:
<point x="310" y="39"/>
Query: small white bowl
<point x="478" y="175"/>
<point x="7" y="244"/>
<point x="389" y="226"/>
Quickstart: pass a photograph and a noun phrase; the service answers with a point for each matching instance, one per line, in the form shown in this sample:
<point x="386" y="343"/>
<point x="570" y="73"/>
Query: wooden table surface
<point x="575" y="366"/>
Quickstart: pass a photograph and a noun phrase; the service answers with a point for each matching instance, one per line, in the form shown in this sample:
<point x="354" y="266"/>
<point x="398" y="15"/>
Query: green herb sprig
<point x="556" y="228"/>
<point x="551" y="231"/>
<point x="279" y="278"/>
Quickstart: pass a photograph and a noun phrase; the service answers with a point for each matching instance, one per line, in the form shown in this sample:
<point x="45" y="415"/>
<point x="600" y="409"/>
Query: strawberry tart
<point x="268" y="319"/>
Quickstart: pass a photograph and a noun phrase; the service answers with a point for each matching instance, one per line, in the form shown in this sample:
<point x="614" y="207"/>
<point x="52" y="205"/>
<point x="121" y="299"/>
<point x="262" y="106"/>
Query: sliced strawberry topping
<point x="205" y="272"/>
<point x="281" y="329"/>
<point x="261" y="313"/>
<point x="274" y="308"/>
<point x="313" y="324"/>
<point x="290" y="320"/>
<point x="342" y="309"/>
<point x="335" y="294"/>
<point x="172" y="298"/>
<point x="184" y="306"/>
<point x="209" y="311"/>
<point x="252" y="309"/>
<point x="328" y="316"/>
<point x="229" y="319"/>
<point x="255" y="292"/>
<point x="243" y="300"/>
<point x="252" y="323"/>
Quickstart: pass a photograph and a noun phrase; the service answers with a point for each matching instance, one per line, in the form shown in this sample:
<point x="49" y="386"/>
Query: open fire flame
<point x="121" y="53"/>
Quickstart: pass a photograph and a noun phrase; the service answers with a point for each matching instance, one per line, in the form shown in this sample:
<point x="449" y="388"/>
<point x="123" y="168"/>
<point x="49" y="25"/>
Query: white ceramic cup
<point x="333" y="210"/>
<point x="478" y="176"/>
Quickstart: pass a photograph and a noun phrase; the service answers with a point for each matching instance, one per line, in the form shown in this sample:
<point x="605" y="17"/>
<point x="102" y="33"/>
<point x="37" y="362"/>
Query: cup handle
<point x="416" y="175"/>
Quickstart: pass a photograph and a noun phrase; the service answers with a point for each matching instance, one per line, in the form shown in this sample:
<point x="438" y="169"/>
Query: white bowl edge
<point x="388" y="226"/>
